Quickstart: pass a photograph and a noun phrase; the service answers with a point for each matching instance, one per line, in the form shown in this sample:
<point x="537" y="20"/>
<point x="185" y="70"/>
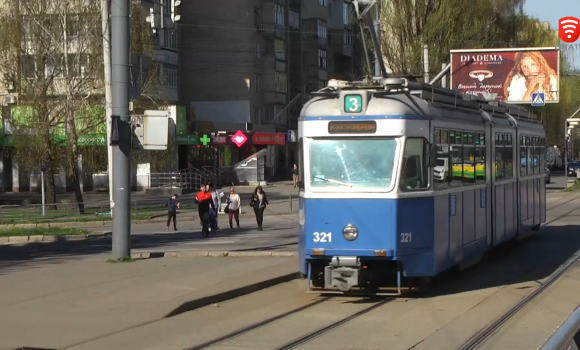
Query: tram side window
<point x="441" y="172"/>
<point x="480" y="158"/>
<point x="530" y="155"/>
<point x="468" y="159"/>
<point x="508" y="157"/>
<point x="415" y="176"/>
<point x="301" y="164"/>
<point x="456" y="150"/>
<point x="499" y="157"/>
<point x="542" y="155"/>
<point x="536" y="155"/>
<point x="523" y="154"/>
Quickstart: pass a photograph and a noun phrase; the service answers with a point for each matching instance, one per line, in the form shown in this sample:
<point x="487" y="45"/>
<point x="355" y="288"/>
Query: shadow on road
<point x="530" y="261"/>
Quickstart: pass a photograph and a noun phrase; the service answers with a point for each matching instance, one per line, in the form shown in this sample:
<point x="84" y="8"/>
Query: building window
<point x="257" y="50"/>
<point x="258" y="115"/>
<point x="170" y="39"/>
<point x="281" y="83"/>
<point x="323" y="3"/>
<point x="169" y="77"/>
<point x="321" y="29"/>
<point x="322" y="60"/>
<point x="329" y="11"/>
<point x="279" y="16"/>
<point x="257" y="83"/>
<point x="167" y="6"/>
<point x="348" y="37"/>
<point x="256" y="15"/>
<point x="346" y="13"/>
<point x="279" y="50"/>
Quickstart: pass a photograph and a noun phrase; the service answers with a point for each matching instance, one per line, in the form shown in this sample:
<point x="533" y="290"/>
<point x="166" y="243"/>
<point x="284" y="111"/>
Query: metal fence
<point x="98" y="211"/>
<point x="183" y="180"/>
<point x="567" y="336"/>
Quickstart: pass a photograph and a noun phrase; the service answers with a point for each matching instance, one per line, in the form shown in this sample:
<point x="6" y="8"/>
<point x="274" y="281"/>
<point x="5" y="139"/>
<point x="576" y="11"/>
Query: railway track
<point x="300" y="340"/>
<point x="487" y="332"/>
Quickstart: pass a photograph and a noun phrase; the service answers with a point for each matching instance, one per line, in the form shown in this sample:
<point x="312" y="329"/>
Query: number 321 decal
<point x="406" y="237"/>
<point x="323" y="237"/>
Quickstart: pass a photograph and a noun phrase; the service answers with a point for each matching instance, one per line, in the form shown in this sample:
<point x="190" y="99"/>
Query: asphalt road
<point x="457" y="305"/>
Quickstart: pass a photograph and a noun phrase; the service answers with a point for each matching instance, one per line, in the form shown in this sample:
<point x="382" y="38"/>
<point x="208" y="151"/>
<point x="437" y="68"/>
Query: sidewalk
<point x="63" y="303"/>
<point x="283" y="199"/>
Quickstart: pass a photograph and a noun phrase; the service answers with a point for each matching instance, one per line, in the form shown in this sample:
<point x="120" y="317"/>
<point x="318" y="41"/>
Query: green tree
<point x="50" y="57"/>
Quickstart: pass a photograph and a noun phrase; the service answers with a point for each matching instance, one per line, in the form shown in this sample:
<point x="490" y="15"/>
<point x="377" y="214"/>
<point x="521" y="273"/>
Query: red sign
<point x="507" y="75"/>
<point x="263" y="138"/>
<point x="239" y="138"/>
<point x="569" y="29"/>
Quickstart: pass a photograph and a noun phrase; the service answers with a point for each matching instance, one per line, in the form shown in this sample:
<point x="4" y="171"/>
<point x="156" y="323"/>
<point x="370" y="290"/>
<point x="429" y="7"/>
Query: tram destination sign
<point x="352" y="127"/>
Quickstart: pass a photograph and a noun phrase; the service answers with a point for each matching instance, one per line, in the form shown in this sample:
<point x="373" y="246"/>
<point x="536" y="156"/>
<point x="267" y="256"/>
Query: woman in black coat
<point x="259" y="202"/>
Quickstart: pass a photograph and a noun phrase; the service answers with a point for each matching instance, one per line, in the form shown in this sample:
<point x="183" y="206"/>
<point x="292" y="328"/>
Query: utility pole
<point x="426" y="63"/>
<point x="108" y="93"/>
<point x="120" y="127"/>
<point x="378" y="72"/>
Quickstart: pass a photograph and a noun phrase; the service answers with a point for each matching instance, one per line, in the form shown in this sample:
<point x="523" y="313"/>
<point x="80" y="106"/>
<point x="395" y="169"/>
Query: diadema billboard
<point x="507" y="75"/>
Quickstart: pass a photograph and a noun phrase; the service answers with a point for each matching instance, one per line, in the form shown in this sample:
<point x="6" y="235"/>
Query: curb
<point x="231" y="294"/>
<point x="40" y="238"/>
<point x="103" y="223"/>
<point x="212" y="254"/>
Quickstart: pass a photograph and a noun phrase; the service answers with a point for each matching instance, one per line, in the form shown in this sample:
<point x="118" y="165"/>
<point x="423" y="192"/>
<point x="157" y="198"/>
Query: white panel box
<point x="155" y="132"/>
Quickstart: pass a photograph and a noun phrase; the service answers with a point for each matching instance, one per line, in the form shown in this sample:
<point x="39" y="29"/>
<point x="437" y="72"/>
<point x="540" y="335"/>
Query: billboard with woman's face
<point x="508" y="75"/>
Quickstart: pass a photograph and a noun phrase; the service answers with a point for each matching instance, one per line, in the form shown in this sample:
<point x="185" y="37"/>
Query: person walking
<point x="204" y="202"/>
<point x="172" y="206"/>
<point x="233" y="207"/>
<point x="217" y="202"/>
<point x="295" y="175"/>
<point x="259" y="203"/>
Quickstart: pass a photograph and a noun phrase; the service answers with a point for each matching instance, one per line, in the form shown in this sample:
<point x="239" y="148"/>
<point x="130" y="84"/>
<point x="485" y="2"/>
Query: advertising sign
<point x="181" y="120"/>
<point x="507" y="75"/>
<point x="266" y="138"/>
<point x="239" y="138"/>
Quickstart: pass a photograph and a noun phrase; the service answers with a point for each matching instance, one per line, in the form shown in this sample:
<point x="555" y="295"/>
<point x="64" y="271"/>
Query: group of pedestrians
<point x="209" y="204"/>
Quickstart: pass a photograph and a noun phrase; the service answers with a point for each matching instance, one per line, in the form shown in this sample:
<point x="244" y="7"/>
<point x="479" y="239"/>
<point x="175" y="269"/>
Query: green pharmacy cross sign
<point x="205" y="140"/>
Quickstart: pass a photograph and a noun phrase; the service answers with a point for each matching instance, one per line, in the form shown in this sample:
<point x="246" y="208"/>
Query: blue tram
<point x="400" y="181"/>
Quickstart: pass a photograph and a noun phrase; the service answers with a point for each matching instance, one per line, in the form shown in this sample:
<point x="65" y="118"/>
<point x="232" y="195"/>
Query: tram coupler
<point x="342" y="273"/>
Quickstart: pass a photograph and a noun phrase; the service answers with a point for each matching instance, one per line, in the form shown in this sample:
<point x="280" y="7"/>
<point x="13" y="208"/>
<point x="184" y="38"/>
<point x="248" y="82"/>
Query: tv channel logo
<point x="569" y="29"/>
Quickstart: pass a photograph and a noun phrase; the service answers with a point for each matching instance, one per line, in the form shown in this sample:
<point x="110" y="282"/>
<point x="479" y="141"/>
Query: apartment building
<point x="244" y="65"/>
<point x="62" y="54"/>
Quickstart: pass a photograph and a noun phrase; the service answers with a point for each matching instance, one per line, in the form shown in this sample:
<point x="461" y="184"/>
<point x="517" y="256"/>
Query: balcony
<point x="273" y="97"/>
<point x="268" y="22"/>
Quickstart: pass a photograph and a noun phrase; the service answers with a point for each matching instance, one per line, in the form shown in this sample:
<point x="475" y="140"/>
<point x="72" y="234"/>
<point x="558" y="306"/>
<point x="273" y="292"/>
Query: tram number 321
<point x="323" y="237"/>
<point x="406" y="237"/>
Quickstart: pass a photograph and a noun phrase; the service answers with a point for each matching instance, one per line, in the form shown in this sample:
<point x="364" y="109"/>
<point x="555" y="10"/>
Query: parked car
<point x="573" y="168"/>
<point x="548" y="175"/>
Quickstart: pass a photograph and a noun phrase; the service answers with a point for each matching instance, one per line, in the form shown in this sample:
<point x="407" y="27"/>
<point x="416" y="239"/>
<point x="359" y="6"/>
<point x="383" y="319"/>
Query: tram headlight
<point x="350" y="232"/>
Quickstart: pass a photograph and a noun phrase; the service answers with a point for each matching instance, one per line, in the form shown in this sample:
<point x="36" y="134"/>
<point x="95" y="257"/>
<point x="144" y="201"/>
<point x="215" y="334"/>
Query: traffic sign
<point x="239" y="138"/>
<point x="538" y="99"/>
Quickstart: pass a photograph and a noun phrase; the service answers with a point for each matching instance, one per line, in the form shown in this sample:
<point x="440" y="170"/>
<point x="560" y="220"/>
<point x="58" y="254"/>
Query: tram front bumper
<point x="342" y="273"/>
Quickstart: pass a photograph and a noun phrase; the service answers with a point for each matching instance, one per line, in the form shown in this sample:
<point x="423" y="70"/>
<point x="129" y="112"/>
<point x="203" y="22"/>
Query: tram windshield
<point x="352" y="163"/>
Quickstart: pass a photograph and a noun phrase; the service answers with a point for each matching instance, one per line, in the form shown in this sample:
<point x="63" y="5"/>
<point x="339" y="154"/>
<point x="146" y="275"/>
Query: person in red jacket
<point x="204" y="201"/>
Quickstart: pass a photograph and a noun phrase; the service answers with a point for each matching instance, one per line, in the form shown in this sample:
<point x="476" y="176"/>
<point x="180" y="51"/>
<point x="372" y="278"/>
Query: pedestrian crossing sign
<point x="538" y="99"/>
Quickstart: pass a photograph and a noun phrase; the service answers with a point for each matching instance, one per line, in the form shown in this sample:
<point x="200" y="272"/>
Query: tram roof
<point x="419" y="100"/>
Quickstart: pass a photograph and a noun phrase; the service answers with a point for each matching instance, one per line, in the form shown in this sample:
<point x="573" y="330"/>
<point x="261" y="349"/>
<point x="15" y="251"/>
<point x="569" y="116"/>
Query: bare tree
<point x="50" y="55"/>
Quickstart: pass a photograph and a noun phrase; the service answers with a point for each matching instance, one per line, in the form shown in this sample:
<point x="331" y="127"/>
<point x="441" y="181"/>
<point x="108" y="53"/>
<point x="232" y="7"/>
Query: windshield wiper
<point x="333" y="181"/>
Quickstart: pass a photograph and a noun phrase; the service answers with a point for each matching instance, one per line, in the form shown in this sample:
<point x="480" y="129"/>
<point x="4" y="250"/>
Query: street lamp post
<point x="42" y="170"/>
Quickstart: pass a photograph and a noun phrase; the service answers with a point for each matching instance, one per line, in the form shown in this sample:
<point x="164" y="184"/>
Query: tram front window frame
<point x="369" y="152"/>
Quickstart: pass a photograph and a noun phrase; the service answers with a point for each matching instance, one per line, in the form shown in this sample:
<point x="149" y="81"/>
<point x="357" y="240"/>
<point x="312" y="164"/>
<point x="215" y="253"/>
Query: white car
<point x="440" y="171"/>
